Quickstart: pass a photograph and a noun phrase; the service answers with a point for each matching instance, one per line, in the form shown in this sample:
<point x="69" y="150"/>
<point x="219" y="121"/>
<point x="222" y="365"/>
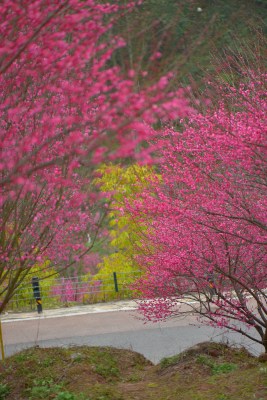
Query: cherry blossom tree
<point x="206" y="250"/>
<point x="63" y="110"/>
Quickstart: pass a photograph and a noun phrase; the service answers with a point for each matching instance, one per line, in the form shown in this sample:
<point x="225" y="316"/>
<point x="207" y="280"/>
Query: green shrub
<point x="4" y="391"/>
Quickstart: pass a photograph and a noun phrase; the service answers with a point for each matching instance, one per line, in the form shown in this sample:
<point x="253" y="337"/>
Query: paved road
<point x="108" y="327"/>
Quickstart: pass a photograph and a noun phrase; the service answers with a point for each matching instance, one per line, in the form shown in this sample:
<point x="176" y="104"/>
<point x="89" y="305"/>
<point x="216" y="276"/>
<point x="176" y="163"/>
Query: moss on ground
<point x="208" y="371"/>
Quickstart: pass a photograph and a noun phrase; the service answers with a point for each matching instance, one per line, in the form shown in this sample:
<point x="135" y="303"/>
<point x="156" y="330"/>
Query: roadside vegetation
<point x="208" y="371"/>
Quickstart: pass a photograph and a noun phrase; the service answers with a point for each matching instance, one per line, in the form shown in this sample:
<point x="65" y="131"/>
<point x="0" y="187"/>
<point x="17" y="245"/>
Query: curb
<point x="72" y="311"/>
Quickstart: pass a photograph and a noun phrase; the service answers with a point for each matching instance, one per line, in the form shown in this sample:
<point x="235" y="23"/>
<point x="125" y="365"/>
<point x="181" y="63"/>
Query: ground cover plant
<point x="208" y="371"/>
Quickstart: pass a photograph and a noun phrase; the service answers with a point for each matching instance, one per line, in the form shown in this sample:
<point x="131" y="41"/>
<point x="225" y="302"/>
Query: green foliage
<point x="136" y="377"/>
<point x="43" y="388"/>
<point x="67" y="396"/>
<point x="4" y="391"/>
<point x="101" y="287"/>
<point x="216" y="368"/>
<point x="203" y="359"/>
<point x="169" y="361"/>
<point x="223" y="368"/>
<point x="46" y="388"/>
<point x="24" y="356"/>
<point x="106" y="370"/>
<point x="186" y="33"/>
<point x="47" y="362"/>
<point x="122" y="185"/>
<point x="24" y="299"/>
<point x="90" y="379"/>
<point x="104" y="364"/>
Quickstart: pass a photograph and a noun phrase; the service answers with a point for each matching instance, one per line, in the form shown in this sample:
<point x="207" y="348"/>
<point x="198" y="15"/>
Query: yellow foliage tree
<point x="122" y="185"/>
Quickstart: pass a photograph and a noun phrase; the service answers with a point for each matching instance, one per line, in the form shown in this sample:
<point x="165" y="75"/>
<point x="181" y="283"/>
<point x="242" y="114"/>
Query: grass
<point x="4" y="391"/>
<point x="208" y="371"/>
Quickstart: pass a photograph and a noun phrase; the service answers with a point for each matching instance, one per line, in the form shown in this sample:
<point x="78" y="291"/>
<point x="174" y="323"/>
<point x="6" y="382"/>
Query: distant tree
<point x="121" y="185"/>
<point x="182" y="36"/>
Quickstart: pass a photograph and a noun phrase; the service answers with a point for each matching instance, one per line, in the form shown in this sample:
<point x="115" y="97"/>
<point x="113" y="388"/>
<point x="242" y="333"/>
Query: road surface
<point x="121" y="329"/>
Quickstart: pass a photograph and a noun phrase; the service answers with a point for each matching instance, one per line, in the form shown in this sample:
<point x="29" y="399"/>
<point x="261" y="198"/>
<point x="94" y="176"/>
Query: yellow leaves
<point x="122" y="185"/>
<point x="123" y="182"/>
<point x="43" y="271"/>
<point x="115" y="262"/>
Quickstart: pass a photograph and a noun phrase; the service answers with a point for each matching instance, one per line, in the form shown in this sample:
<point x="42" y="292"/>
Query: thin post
<point x="115" y="282"/>
<point x="2" y="342"/>
<point x="37" y="294"/>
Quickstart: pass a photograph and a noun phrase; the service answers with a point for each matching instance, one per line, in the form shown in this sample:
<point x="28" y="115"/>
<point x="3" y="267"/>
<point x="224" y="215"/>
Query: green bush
<point x="4" y="391"/>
